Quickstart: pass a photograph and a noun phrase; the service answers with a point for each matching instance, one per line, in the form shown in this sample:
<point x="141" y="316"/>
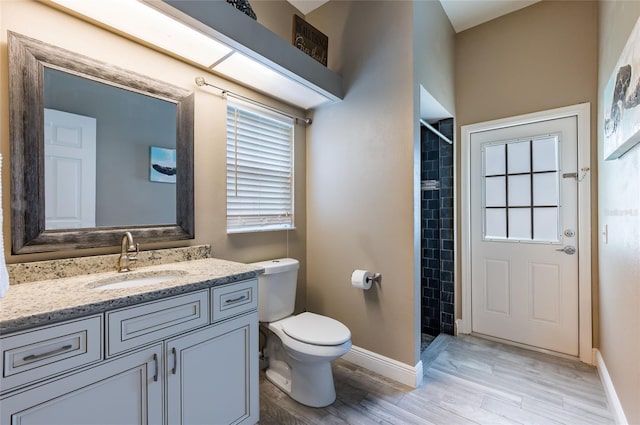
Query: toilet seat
<point x="315" y="329"/>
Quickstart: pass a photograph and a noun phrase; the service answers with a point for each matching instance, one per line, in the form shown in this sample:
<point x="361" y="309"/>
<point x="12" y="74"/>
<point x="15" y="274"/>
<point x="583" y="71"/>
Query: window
<point x="521" y="182"/>
<point x="259" y="169"/>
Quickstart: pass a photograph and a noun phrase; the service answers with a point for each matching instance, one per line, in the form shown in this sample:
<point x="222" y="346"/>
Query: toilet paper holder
<point x="376" y="277"/>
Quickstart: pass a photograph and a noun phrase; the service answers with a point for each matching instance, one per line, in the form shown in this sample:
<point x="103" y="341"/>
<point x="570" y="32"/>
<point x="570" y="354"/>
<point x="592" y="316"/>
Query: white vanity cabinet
<point x="126" y="390"/>
<point x="185" y="359"/>
<point x="212" y="374"/>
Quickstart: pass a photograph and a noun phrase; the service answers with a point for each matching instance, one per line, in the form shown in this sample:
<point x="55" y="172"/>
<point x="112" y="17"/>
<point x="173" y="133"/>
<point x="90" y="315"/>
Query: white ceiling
<point x="306" y="6"/>
<point x="463" y="14"/>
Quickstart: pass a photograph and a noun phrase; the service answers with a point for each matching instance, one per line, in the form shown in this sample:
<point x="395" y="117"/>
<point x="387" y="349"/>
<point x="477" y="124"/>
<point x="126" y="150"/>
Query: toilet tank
<point x="277" y="288"/>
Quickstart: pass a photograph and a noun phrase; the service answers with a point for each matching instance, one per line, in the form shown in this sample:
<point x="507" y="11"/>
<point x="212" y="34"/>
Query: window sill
<point x="258" y="230"/>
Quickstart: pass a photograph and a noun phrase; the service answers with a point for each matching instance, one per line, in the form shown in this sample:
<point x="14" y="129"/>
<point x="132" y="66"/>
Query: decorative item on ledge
<point x="244" y="7"/>
<point x="311" y="41"/>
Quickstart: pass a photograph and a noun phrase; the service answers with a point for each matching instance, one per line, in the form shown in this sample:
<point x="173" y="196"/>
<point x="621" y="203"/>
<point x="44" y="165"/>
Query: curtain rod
<point x="437" y="133"/>
<point x="200" y="81"/>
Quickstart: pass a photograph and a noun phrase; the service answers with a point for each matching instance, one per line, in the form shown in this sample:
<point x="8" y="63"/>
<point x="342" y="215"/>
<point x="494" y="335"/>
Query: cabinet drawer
<point x="36" y="354"/>
<point x="231" y="300"/>
<point x="130" y="327"/>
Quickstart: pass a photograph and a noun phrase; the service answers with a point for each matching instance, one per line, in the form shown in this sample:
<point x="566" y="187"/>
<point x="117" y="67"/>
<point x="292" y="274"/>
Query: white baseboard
<point x="460" y="327"/>
<point x="610" y="391"/>
<point x="390" y="368"/>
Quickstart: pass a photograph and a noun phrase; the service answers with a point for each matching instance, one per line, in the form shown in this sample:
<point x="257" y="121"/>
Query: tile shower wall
<point x="437" y="231"/>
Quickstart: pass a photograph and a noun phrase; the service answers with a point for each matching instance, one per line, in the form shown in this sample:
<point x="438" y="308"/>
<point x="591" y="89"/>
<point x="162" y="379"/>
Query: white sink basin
<point x="136" y="279"/>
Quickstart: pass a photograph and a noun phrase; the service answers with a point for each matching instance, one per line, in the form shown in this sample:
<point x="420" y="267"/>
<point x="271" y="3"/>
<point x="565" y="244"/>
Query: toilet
<point x="300" y="348"/>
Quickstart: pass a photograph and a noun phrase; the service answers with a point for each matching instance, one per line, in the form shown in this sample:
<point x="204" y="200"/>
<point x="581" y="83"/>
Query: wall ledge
<point x="223" y="22"/>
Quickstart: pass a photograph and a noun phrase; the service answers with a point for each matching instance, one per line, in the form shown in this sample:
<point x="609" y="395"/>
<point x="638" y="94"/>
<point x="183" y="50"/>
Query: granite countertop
<point x="43" y="302"/>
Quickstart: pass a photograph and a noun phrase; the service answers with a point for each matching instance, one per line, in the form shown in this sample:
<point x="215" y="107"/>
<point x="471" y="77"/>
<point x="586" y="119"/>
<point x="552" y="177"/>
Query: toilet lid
<point x="315" y="329"/>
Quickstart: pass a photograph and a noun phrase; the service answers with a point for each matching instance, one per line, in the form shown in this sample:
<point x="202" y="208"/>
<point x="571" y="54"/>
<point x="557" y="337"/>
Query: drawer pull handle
<point x="235" y="300"/>
<point x="175" y="360"/>
<point x="155" y="360"/>
<point x="33" y="357"/>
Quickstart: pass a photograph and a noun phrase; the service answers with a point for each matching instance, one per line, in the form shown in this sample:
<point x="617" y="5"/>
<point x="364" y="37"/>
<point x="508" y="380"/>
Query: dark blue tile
<point x="446" y="255"/>
<point x="446" y="297"/>
<point x="446" y="318"/>
<point x="447" y="286"/>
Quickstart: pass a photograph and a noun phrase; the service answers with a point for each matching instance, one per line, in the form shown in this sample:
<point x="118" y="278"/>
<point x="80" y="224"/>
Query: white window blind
<point x="259" y="169"/>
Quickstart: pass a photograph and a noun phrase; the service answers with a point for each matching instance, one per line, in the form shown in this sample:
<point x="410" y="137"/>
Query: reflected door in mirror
<point x="70" y="170"/>
<point x="128" y="124"/>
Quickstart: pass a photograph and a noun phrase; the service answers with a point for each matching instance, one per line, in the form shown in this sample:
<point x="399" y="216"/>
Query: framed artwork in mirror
<point x="162" y="165"/>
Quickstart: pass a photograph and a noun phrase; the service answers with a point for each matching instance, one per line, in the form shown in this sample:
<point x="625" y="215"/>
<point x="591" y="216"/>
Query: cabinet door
<point x="212" y="374"/>
<point x="124" y="391"/>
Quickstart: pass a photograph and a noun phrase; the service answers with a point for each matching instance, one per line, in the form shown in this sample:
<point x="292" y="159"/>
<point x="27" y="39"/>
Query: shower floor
<point x="425" y="341"/>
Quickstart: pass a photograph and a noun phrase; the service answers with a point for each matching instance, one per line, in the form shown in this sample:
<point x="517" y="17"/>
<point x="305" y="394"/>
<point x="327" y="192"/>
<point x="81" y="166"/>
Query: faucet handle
<point x="136" y="251"/>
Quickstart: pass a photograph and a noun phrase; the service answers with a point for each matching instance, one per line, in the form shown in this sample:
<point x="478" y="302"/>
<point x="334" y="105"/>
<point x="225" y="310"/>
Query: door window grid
<point x="528" y="211"/>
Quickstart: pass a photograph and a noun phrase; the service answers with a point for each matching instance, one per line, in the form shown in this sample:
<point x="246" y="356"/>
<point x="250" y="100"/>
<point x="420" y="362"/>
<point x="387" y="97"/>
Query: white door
<point x="70" y="170"/>
<point x="524" y="259"/>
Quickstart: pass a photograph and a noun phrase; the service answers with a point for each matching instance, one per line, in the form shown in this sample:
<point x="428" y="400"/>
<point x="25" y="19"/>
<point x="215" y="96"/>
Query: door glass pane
<point x="545" y="189"/>
<point x="545" y="224"/>
<point x="494" y="160"/>
<point x="520" y="223"/>
<point x="545" y="154"/>
<point x="496" y="223"/>
<point x="520" y="190"/>
<point x="518" y="157"/>
<point x="495" y="194"/>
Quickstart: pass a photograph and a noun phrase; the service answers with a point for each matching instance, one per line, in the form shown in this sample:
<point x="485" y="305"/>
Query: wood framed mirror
<point x="126" y="196"/>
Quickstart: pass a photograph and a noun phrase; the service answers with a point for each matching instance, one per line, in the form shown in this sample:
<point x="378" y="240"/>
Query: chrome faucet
<point x="128" y="252"/>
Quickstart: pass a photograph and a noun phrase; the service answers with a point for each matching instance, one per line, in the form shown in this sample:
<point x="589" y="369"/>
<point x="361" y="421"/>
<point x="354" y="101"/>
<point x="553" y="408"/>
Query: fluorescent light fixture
<point x="150" y="25"/>
<point x="259" y="76"/>
<point x="147" y="24"/>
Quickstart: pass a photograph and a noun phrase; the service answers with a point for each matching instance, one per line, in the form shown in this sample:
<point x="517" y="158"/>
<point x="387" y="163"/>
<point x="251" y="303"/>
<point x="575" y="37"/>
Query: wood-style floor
<point x="467" y="380"/>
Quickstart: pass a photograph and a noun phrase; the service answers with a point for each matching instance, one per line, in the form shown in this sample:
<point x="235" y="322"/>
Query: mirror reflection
<point x="107" y="155"/>
<point x="134" y="171"/>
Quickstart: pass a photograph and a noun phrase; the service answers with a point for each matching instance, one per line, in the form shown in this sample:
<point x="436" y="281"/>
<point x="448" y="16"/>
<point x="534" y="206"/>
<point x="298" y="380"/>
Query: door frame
<point x="582" y="113"/>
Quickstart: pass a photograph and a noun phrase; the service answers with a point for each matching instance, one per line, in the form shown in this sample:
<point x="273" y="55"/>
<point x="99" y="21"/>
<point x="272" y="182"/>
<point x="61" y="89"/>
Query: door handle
<point x="570" y="250"/>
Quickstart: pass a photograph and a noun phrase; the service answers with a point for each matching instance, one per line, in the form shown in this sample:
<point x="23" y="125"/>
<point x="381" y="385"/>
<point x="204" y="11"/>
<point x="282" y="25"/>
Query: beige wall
<point x="360" y="177"/>
<point x="619" y="210"/>
<point x="47" y="24"/>
<point x="361" y="155"/>
<point x="434" y="50"/>
<point x="540" y="57"/>
<point x="277" y="16"/>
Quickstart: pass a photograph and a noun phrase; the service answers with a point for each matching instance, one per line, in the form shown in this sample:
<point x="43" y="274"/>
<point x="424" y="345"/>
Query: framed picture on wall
<point x="162" y="167"/>
<point x="622" y="100"/>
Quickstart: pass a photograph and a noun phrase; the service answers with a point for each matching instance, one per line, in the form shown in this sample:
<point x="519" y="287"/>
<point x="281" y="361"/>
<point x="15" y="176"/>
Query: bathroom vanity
<point x="176" y="352"/>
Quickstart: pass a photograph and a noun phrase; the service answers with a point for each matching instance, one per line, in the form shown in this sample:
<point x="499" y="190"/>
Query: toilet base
<point x="306" y="388"/>
<point x="307" y="383"/>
